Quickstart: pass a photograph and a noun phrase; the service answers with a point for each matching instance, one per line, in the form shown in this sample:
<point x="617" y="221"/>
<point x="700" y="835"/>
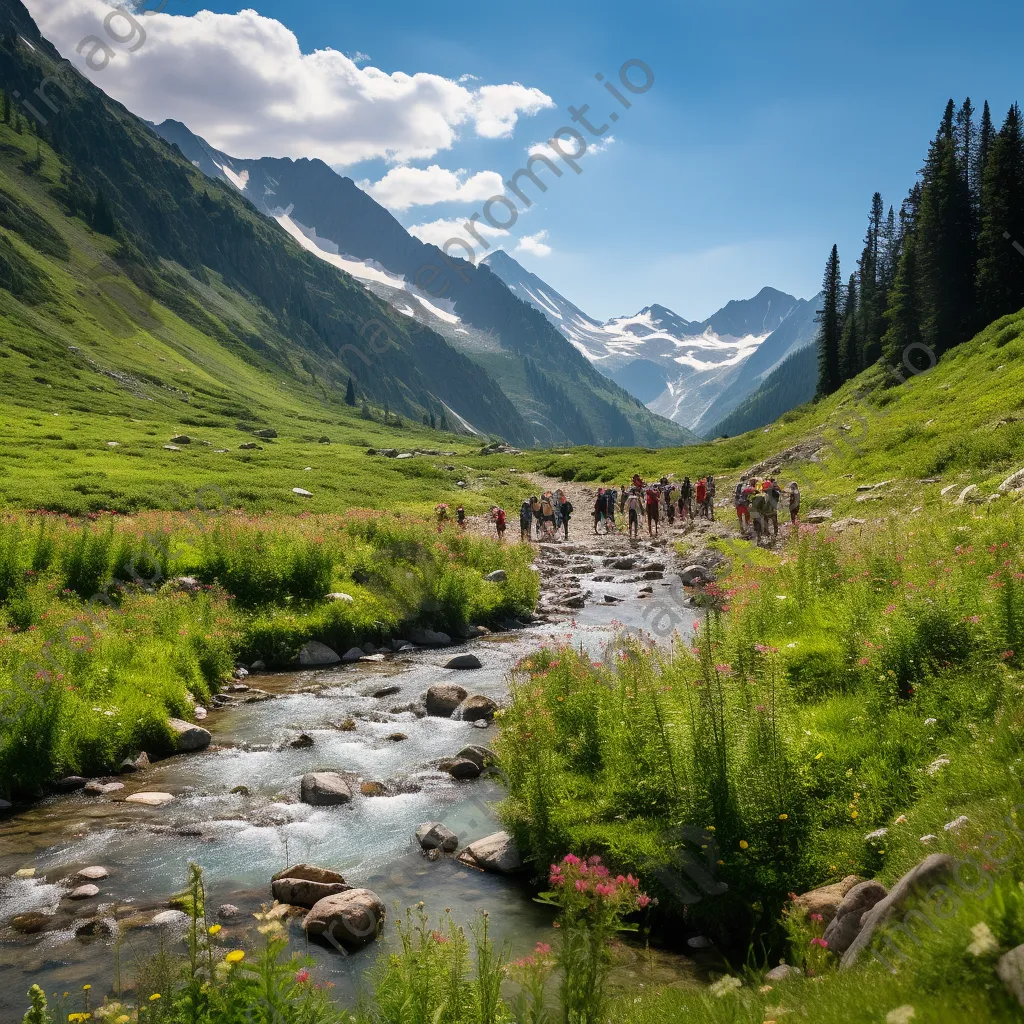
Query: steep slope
<point x="180" y="237"/>
<point x="693" y="372"/>
<point x="790" y="384"/>
<point x="553" y="387"/>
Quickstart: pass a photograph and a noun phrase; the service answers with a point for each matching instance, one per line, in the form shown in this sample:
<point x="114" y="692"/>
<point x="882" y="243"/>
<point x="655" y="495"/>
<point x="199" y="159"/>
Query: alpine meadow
<point x="296" y="729"/>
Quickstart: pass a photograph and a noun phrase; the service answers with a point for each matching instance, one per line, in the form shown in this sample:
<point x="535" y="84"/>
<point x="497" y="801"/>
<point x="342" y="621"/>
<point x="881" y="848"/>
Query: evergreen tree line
<point x="932" y="276"/>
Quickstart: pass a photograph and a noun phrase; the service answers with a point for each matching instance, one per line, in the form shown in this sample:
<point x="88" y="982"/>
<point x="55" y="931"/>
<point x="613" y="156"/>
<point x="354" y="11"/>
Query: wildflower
<point x="984" y="941"/>
<point x="818" y="941"/>
<point x="235" y="956"/>
<point x="723" y="668"/>
<point x="86" y="988"/>
<point x="542" y="949"/>
<point x="783" y="817"/>
<point x="853" y="814"/>
<point x="214" y="929"/>
<point x="154" y="997"/>
<point x="744" y="844"/>
<point x="302" y="976"/>
<point x="643" y="900"/>
<point x="817" y="917"/>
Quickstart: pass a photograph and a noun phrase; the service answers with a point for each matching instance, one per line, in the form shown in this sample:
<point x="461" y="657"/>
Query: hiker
<point x="547" y="515"/>
<point x="460" y="517"/>
<point x="566" y="510"/>
<point x="623" y="498"/>
<point x="599" y="509"/>
<point x="633" y="504"/>
<point x="525" y="521"/>
<point x="759" y="510"/>
<point x="711" y="498"/>
<point x="670" y="507"/>
<point x="774" y="497"/>
<point x="610" y="498"/>
<point x="499" y="522"/>
<point x="749" y="490"/>
<point x="686" y="498"/>
<point x="742" y="499"/>
<point x="794" y="502"/>
<point x="535" y="509"/>
<point x="653" y="508"/>
<point x="701" y="493"/>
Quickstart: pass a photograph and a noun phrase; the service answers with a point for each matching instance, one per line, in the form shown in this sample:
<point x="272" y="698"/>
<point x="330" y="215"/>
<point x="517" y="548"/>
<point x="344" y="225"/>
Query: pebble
<point x="84" y="892"/>
<point x="150" y="799"/>
<point x="94" y="874"/>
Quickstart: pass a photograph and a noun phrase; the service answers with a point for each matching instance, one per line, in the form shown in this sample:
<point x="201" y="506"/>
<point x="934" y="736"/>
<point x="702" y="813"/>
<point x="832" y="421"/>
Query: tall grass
<point x="820" y="702"/>
<point x="99" y="643"/>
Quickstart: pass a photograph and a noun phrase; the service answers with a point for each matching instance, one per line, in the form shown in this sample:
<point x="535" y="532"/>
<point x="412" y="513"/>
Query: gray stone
<point x="481" y="756"/>
<point x="969" y="493"/>
<point x="1014" y="482"/>
<point x="149" y="799"/>
<point x="432" y="835"/>
<point x="497" y="853"/>
<point x="783" y="973"/>
<point x="845" y="926"/>
<point x="443" y="698"/>
<point x="464" y="661"/>
<point x="498" y="576"/>
<point x="694" y="574"/>
<point x="935" y="869"/>
<point x="98" y="788"/>
<point x="302" y="492"/>
<point x="188" y="738"/>
<point x="169" y="919"/>
<point x="70" y="783"/>
<point x="324" y="789"/>
<point x="347" y="598"/>
<point x="311" y="873"/>
<point x="93" y="874"/>
<point x="94" y="927"/>
<point x="267" y="432"/>
<point x="352" y="655"/>
<point x="301" y="892"/>
<point x="461" y="768"/>
<point x="826" y="899"/>
<point x="316" y="655"/>
<point x="477" y="707"/>
<point x="429" y="638"/>
<point x="350" y="919"/>
<point x="84" y="892"/>
<point x="387" y="691"/>
<point x="181" y="439"/>
<point x="301" y="742"/>
<point x="228" y="912"/>
<point x="250" y="446"/>
<point x="1011" y="972"/>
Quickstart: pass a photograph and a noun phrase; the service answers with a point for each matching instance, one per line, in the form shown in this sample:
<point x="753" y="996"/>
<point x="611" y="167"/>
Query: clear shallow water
<point x="241" y="840"/>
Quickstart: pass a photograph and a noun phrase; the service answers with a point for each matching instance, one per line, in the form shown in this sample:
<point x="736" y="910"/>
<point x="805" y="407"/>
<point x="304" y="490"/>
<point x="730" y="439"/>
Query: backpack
<point x="546" y="509"/>
<point x="567" y="509"/>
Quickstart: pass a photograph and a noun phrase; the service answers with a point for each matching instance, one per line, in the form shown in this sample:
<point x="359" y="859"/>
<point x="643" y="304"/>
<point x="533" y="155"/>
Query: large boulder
<point x="432" y="835"/>
<point x="845" y="926"/>
<point x="464" y="662"/>
<point x="497" y="853"/>
<point x="316" y="655"/>
<point x="429" y="638"/>
<point x="31" y="923"/>
<point x="498" y="576"/>
<point x="934" y="870"/>
<point x="188" y="737"/>
<point x="324" y="789"/>
<point x="301" y="892"/>
<point x="825" y="901"/>
<point x="1014" y="482"/>
<point x="477" y="707"/>
<point x="444" y="698"/>
<point x="348" y="920"/>
<point x="311" y="873"/>
<point x="150" y="799"/>
<point x="693" y="575"/>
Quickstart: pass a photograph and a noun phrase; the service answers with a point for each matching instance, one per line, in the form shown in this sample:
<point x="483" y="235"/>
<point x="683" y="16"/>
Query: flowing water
<point x="243" y="838"/>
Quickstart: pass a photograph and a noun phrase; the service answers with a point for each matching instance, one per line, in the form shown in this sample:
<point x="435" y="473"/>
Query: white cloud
<point x="403" y="187"/>
<point x="602" y="145"/>
<point x="243" y="83"/>
<point x="535" y="245"/>
<point x="359" y="57"/>
<point x="440" y="231"/>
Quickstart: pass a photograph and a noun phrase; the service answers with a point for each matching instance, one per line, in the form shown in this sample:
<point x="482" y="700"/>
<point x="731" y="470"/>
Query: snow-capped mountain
<point x="693" y="372"/>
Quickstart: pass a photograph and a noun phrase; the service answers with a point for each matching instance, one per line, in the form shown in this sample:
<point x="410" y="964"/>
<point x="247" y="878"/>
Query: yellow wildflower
<point x="744" y="844"/>
<point x="154" y="997"/>
<point x="783" y="817"/>
<point x="853" y="814"/>
<point x="85" y="988"/>
<point x="235" y="956"/>
<point x="213" y="929"/>
<point x="819" y="755"/>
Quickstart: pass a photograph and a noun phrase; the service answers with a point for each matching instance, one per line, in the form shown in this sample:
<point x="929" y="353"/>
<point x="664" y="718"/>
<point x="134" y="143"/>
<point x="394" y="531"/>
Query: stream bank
<point x="236" y="808"/>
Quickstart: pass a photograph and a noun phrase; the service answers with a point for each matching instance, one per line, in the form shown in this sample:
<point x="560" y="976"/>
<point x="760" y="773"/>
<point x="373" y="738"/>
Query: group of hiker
<point x="547" y="516"/>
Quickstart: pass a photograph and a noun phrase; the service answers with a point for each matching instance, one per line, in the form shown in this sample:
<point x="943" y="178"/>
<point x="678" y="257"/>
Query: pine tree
<point x="829" y="320"/>
<point x="7" y="107"/>
<point x="1000" y="267"/>
<point x="889" y="254"/>
<point x="986" y="136"/>
<point x="870" y="308"/>
<point x="850" y="341"/>
<point x="945" y="245"/>
<point x="17" y="123"/>
<point x="433" y="422"/>
<point x="967" y="142"/>
<point x="350" y="393"/>
<point x="444" y="420"/>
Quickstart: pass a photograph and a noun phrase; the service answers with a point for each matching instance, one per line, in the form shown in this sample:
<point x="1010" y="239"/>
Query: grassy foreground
<point x="99" y="645"/>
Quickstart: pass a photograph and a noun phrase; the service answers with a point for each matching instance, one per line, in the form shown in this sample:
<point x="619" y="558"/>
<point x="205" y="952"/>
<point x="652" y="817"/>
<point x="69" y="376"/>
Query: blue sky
<point x="760" y="144"/>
